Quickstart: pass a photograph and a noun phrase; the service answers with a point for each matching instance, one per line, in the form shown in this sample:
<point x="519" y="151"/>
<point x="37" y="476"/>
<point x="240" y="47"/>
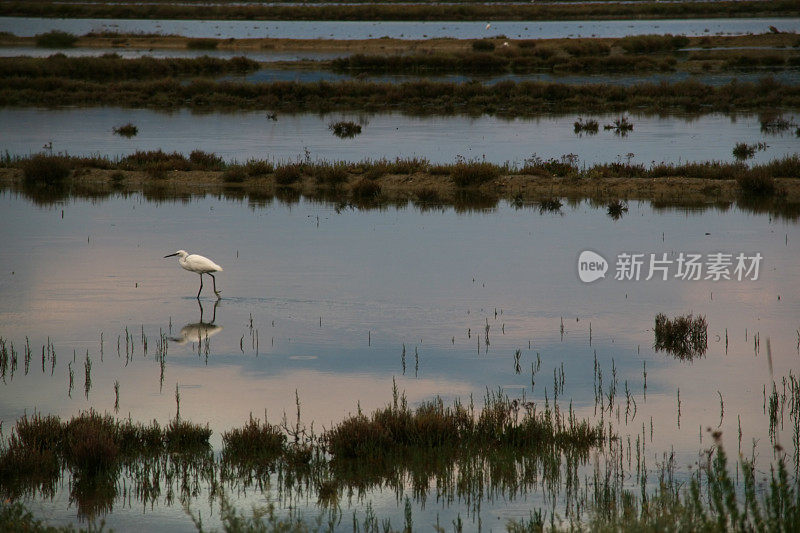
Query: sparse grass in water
<point x="590" y="126"/>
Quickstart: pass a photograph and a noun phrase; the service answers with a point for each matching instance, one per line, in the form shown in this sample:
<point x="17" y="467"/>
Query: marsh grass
<point x="126" y="130"/>
<point x="114" y="68"/>
<point x="202" y="44"/>
<point x="432" y="425"/>
<point x="345" y="129"/>
<point x="366" y="189"/>
<point x="56" y="39"/>
<point x="590" y="127"/>
<point x="685" y="336"/>
<point x="638" y="44"/>
<point x="616" y="209"/>
<point x="507" y="98"/>
<point x="257" y="441"/>
<point x="235" y="174"/>
<point x="46" y="170"/>
<point x="287" y="174"/>
<point x="472" y="173"/>
<point x="758" y="182"/>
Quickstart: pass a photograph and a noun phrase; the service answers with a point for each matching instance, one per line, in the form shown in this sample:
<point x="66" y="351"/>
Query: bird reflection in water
<point x="199" y="332"/>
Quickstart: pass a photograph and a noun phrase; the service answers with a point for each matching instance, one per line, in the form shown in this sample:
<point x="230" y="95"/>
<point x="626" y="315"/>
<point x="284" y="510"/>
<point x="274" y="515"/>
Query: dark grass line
<point x="506" y="98"/>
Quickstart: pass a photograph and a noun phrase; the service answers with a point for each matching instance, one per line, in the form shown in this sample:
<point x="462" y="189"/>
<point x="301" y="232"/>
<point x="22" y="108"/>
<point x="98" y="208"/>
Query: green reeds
<point x="685" y="336"/>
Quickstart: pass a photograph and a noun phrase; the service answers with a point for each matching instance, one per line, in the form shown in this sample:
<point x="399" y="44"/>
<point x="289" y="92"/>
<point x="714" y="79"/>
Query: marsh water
<point x="324" y="300"/>
<point x="245" y="135"/>
<point x="29" y="26"/>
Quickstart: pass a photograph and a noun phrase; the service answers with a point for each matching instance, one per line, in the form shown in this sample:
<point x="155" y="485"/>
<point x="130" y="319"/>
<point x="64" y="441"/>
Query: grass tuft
<point x="685" y="337"/>
<point x="56" y="39"/>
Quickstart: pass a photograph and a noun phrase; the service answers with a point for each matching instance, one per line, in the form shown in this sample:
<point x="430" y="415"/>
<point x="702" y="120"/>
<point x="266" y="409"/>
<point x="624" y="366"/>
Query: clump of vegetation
<point x="617" y="208"/>
<point x="126" y="130"/>
<point x="757" y="182"/>
<point x="56" y="39"/>
<point x="201" y="160"/>
<point x="255" y="167"/>
<point x="345" y="129"/>
<point x="621" y="126"/>
<point x="565" y="166"/>
<point x="366" y="189"/>
<point x="234" y="174"/>
<point x="256" y="441"/>
<point x="47" y="170"/>
<point x="332" y="175"/>
<point x="182" y="436"/>
<point x="550" y="205"/>
<point x="775" y="124"/>
<point x="202" y="44"/>
<point x="483" y="45"/>
<point x="502" y="423"/>
<point x="585" y="47"/>
<point x="743" y="151"/>
<point x="287" y="174"/>
<point x="652" y="43"/>
<point x="684" y="336"/>
<point x="590" y="126"/>
<point x="473" y="173"/>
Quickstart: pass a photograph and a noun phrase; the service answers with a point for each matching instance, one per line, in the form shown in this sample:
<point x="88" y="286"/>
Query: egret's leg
<point x="215" y="283"/>
<point x="201" y="286"/>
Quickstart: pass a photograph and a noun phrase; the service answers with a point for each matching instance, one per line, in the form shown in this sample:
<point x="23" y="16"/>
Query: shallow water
<point x="241" y="136"/>
<point x="28" y="26"/>
<point x="333" y="295"/>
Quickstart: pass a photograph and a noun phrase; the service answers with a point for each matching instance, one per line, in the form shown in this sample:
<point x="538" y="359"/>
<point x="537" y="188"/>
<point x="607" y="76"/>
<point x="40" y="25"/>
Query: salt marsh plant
<point x="345" y="129"/>
<point x="685" y="336"/>
<point x="590" y="126"/>
<point x="473" y="173"/>
<point x="743" y="151"/>
<point x="42" y="169"/>
<point x="56" y="39"/>
<point x="616" y="209"/>
<point x="202" y="44"/>
<point x="126" y="130"/>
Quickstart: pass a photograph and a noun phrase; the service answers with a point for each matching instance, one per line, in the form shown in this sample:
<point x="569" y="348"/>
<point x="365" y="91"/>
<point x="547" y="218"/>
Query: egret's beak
<point x="171" y="255"/>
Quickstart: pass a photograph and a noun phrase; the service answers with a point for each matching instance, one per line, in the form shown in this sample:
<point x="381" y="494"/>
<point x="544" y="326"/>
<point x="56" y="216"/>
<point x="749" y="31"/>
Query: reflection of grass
<point x="345" y="129"/>
<point x="684" y="336"/>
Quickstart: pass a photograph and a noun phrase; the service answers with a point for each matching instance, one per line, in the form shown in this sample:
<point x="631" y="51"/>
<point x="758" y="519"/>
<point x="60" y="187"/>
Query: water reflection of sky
<point x="245" y="135"/>
<point x="239" y="29"/>
<point x="334" y="297"/>
<point x="376" y="281"/>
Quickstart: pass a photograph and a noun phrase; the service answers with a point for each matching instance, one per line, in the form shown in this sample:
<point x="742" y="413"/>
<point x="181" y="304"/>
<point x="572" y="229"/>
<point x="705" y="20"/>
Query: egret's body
<point x="198" y="264"/>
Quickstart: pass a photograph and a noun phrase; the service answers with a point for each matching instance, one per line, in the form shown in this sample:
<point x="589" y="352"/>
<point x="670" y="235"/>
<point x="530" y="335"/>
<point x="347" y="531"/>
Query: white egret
<point x="199" y="264"/>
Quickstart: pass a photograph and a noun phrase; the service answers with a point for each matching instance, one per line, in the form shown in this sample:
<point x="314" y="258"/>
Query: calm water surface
<point x="28" y="26"/>
<point x="334" y="295"/>
<point x="241" y="136"/>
